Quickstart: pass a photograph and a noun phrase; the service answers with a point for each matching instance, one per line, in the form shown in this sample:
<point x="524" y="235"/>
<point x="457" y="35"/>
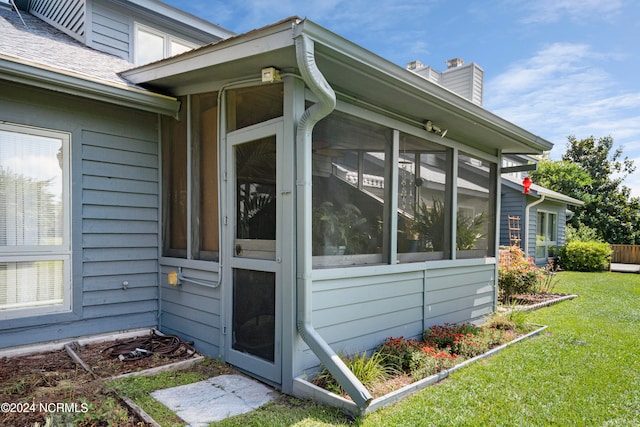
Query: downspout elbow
<point x="316" y="82"/>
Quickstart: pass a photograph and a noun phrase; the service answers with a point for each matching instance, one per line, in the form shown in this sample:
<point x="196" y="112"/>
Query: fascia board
<point x="435" y="93"/>
<point x="235" y="48"/>
<point x="538" y="191"/>
<point x="554" y="195"/>
<point x="69" y="83"/>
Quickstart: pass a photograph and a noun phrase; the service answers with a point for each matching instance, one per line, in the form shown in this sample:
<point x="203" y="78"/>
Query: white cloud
<point x="563" y="90"/>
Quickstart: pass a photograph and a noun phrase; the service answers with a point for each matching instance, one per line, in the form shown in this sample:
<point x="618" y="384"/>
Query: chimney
<point x="414" y="65"/>
<point x="455" y="62"/>
<point x="467" y="81"/>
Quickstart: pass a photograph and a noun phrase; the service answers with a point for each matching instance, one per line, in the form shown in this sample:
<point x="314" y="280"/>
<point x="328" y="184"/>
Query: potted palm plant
<point x="335" y="230"/>
<point x="430" y="225"/>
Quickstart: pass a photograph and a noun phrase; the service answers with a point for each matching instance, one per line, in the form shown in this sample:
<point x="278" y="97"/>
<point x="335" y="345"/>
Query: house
<point x="78" y="160"/>
<point x="276" y="196"/>
<point x="542" y="212"/>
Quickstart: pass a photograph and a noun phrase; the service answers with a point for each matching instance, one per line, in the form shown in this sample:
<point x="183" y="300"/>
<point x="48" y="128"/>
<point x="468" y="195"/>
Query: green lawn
<point x="584" y="370"/>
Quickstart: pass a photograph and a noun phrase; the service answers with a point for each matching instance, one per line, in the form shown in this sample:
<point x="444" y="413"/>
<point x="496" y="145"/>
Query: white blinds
<point x="31" y="199"/>
<point x="34" y="258"/>
<point x="31" y="284"/>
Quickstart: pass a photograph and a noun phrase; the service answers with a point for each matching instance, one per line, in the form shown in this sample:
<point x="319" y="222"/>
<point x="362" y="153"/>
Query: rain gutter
<point x="305" y="56"/>
<point x="71" y="83"/>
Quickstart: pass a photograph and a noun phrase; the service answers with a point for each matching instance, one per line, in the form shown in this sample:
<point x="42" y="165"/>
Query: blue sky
<point x="553" y="67"/>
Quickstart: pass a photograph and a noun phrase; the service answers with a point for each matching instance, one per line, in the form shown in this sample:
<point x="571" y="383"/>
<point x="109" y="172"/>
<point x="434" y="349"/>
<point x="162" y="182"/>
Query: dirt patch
<point x="52" y="385"/>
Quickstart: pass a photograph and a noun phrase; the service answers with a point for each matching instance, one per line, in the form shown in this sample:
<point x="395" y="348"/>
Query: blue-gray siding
<point x="512" y="203"/>
<point x="192" y="311"/>
<point x="111" y="31"/>
<point x="114" y="175"/>
<point x="356" y="312"/>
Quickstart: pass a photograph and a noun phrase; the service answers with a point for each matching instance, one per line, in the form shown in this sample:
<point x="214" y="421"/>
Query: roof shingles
<point x="41" y="45"/>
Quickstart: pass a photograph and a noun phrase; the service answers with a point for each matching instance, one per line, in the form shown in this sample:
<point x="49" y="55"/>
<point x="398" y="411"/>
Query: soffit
<point x="350" y="70"/>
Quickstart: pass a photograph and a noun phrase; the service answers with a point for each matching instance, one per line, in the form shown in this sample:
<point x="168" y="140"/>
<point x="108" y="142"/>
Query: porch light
<point x="526" y="183"/>
<point x="430" y="127"/>
<point x="270" y="75"/>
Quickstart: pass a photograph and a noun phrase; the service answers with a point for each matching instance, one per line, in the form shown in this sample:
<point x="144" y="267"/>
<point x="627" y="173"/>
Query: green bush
<point x="517" y="274"/>
<point x="370" y="370"/>
<point x="585" y="256"/>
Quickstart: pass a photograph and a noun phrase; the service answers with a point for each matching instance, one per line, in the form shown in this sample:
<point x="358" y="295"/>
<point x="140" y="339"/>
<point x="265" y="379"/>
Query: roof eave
<point x="531" y="143"/>
<point x="85" y="87"/>
<point x="515" y="139"/>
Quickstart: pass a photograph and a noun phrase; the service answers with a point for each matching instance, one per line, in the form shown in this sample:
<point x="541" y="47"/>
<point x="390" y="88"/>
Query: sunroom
<point x="317" y="199"/>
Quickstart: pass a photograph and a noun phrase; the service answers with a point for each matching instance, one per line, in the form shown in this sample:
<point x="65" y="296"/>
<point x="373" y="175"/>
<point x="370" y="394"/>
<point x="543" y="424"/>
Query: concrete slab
<point x="215" y="399"/>
<point x="625" y="268"/>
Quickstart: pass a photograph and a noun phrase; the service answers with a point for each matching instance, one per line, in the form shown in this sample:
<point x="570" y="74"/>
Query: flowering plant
<point x="397" y="352"/>
<point x="517" y="273"/>
<point x="447" y="335"/>
<point x="429" y="360"/>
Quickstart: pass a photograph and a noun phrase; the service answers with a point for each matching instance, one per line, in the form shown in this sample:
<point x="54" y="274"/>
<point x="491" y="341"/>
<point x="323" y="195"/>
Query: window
<point x="424" y="204"/>
<point x="476" y="207"/>
<point x="546" y="235"/>
<point x="252" y="105"/>
<point x="349" y="170"/>
<point x="190" y="181"/>
<point x="35" y="248"/>
<point x="153" y="45"/>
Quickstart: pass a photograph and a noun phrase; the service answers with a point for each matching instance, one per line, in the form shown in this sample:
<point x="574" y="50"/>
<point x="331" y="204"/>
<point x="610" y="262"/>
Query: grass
<point x="138" y="389"/>
<point x="583" y="371"/>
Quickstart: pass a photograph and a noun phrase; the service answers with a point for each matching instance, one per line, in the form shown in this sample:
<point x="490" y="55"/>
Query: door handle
<point x="238" y="249"/>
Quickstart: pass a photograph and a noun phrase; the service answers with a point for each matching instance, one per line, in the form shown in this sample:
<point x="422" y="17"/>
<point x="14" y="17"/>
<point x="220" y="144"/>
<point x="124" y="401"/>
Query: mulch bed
<point x="35" y="386"/>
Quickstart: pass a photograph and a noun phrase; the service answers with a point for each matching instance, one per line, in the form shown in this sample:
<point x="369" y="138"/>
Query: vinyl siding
<point x="111" y="32"/>
<point x="192" y="311"/>
<point x="355" y="314"/>
<point x="114" y="215"/>
<point x="466" y="81"/>
<point x="512" y="203"/>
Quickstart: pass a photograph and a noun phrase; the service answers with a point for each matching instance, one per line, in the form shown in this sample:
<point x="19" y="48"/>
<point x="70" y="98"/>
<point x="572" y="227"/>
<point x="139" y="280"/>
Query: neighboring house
<point x="276" y="197"/>
<point x="542" y="213"/>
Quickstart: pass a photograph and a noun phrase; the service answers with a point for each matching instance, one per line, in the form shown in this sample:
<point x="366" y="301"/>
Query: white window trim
<point x="60" y="252"/>
<point x="546" y="243"/>
<point x="168" y="38"/>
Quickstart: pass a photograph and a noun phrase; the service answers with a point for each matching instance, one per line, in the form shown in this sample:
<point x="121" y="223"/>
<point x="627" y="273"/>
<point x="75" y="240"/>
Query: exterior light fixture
<point x="526" y="183"/>
<point x="173" y="278"/>
<point x="430" y="127"/>
<point x="270" y="75"/>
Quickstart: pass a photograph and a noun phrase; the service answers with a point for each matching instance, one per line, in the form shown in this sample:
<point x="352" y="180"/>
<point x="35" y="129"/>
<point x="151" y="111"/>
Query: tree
<point x="590" y="172"/>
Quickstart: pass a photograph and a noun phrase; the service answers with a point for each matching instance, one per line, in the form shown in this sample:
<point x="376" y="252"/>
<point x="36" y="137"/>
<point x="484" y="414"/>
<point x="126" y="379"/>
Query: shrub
<point x="447" y="335"/>
<point x="396" y="352"/>
<point x="585" y="256"/>
<point x="428" y="360"/>
<point x="517" y="274"/>
<point x="368" y="369"/>
<point x="470" y="345"/>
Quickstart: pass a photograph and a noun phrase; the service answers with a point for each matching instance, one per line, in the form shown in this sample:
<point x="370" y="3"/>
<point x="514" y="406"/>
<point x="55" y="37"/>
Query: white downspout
<point x="314" y="79"/>
<point x="526" y="223"/>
